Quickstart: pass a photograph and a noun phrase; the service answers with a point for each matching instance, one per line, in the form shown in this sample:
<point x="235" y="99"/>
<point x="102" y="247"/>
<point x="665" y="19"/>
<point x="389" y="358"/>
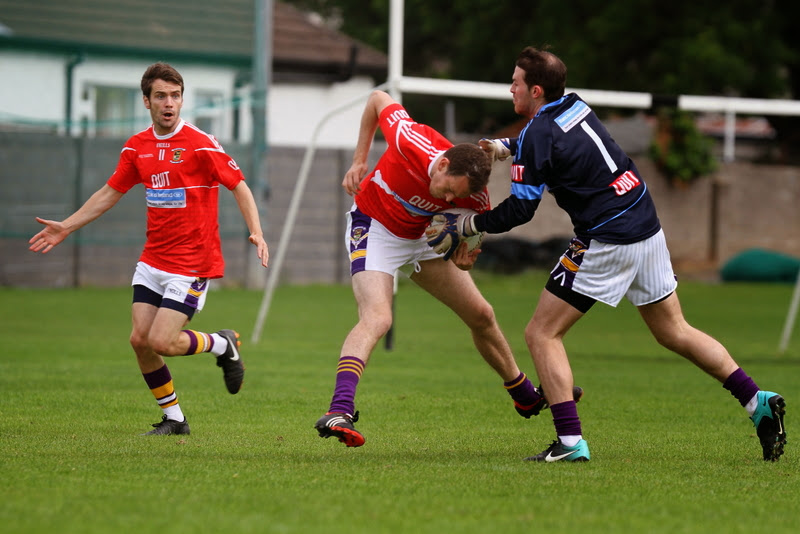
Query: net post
<point x="388" y="340"/>
<point x="791" y="316"/>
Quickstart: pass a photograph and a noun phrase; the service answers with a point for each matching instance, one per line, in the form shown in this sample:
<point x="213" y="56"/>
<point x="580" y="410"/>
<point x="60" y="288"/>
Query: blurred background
<point x="261" y="75"/>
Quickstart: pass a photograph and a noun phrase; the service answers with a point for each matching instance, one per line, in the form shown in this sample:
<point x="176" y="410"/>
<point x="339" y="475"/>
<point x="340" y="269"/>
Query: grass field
<point x="671" y="450"/>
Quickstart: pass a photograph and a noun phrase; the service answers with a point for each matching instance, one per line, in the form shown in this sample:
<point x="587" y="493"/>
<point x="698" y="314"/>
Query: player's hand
<point x="444" y="242"/>
<point x="446" y="230"/>
<point x="262" y="250"/>
<point x="497" y="149"/>
<point x="353" y="177"/>
<point x="54" y="233"/>
<point x="463" y="258"/>
<point x="462" y="224"/>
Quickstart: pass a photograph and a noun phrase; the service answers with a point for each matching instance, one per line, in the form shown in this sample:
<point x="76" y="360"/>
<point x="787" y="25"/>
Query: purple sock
<point x="348" y="374"/>
<point x="565" y="419"/>
<point x="158" y="378"/>
<point x="522" y="391"/>
<point x="741" y="386"/>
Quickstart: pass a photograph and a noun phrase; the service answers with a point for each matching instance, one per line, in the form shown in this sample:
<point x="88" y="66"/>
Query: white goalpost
<point x="291" y="216"/>
<point x="791" y="318"/>
<point x="397" y="84"/>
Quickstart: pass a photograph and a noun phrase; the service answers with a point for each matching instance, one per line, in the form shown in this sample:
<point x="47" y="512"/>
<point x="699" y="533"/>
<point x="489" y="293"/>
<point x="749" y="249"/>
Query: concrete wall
<point x="742" y="206"/>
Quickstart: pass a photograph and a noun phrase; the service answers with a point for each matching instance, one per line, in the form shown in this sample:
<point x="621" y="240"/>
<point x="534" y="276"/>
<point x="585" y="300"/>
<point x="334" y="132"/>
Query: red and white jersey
<point x="181" y="173"/>
<point x="396" y="192"/>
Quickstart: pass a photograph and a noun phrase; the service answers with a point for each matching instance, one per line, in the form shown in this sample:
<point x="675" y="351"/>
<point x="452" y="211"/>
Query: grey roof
<point x="200" y="30"/>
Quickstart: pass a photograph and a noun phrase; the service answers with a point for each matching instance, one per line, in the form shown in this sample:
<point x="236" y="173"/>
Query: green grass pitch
<point x="672" y="451"/>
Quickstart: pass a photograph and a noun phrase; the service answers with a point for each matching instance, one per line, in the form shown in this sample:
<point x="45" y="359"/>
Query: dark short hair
<point x="470" y="160"/>
<point x="544" y="69"/>
<point x="160" y="71"/>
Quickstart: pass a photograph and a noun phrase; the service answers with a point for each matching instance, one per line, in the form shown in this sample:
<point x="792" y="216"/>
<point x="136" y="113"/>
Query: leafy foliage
<point x="736" y="48"/>
<point x="668" y="47"/>
<point x="679" y="149"/>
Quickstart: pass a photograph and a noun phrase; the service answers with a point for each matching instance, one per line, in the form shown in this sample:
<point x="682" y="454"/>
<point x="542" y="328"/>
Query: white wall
<point x="295" y="111"/>
<point x="32" y="88"/>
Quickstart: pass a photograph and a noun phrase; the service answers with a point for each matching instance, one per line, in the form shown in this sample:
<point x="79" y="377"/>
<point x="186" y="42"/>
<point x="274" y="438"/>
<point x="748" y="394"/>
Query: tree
<point x="736" y="48"/>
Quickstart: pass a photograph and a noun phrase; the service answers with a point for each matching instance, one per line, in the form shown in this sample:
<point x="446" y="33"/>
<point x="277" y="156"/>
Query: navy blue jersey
<point x="567" y="150"/>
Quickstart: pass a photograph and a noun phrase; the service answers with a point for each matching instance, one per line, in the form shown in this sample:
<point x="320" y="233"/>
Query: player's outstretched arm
<point x="55" y="232"/>
<point x="247" y="205"/>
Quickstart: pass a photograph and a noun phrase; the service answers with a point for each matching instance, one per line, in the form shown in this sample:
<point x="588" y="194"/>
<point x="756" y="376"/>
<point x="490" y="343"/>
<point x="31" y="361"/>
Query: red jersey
<point x="396" y="193"/>
<point x="181" y="173"/>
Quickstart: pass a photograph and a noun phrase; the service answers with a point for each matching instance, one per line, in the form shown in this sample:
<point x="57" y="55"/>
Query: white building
<point x="66" y="66"/>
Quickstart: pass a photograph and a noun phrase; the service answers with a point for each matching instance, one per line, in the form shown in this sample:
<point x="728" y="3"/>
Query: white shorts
<point x="187" y="290"/>
<point x="641" y="272"/>
<point x="374" y="248"/>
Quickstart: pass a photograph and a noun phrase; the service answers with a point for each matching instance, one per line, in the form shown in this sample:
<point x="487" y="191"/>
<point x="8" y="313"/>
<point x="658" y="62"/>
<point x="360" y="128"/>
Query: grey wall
<point x="742" y="206"/>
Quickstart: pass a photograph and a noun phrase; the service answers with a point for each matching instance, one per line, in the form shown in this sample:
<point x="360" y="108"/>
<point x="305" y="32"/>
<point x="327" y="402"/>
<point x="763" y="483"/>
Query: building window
<point x="118" y="111"/>
<point x="208" y="112"/>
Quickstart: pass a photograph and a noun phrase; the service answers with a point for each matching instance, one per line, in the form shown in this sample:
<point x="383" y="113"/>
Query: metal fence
<point x="50" y="176"/>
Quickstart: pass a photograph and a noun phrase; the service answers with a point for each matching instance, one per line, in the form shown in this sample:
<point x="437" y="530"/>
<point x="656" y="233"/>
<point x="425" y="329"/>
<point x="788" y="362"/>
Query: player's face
<point x="165" y="104"/>
<point x="524" y="103"/>
<point x="448" y="186"/>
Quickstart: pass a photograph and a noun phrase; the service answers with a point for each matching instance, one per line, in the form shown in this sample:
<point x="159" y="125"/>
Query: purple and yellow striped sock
<point x="522" y="391"/>
<point x="348" y="373"/>
<point x="199" y="342"/>
<point x="162" y="388"/>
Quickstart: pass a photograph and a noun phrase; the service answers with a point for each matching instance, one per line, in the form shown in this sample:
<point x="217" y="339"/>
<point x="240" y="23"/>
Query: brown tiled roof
<point x="299" y="41"/>
<point x="200" y="30"/>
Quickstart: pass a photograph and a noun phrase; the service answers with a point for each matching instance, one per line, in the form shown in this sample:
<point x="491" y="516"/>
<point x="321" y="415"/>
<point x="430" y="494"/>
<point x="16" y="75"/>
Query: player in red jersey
<point x="420" y="173"/>
<point x="181" y="168"/>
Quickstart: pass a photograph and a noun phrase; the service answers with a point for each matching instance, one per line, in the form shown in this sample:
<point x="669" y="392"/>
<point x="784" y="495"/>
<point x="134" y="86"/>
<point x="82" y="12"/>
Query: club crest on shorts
<point x="357" y="235"/>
